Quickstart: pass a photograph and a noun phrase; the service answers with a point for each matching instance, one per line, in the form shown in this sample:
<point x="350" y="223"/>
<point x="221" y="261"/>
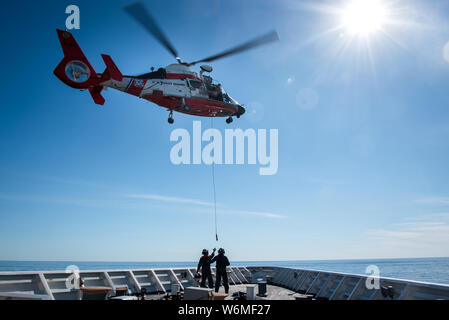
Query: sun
<point x="364" y="17"/>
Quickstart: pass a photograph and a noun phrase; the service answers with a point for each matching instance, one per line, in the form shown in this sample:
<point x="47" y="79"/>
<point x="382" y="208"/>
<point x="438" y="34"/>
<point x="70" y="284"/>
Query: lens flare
<point x="446" y="52"/>
<point x="307" y="98"/>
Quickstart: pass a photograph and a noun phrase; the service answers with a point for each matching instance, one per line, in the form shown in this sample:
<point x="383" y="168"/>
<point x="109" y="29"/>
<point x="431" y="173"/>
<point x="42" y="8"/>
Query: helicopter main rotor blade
<point x="267" y="38"/>
<point x="141" y="15"/>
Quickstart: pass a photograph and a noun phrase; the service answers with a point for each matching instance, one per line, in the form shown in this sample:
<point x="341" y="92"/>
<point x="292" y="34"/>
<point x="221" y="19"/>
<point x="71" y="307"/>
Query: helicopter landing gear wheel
<point x="170" y="118"/>
<point x="229" y="120"/>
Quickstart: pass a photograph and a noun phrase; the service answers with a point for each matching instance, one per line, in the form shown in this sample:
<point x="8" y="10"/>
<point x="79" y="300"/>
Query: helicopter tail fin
<point x="74" y="69"/>
<point x="111" y="72"/>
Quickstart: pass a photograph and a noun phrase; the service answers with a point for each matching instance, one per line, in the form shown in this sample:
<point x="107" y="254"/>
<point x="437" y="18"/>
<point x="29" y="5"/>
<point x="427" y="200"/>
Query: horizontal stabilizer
<point x="95" y="92"/>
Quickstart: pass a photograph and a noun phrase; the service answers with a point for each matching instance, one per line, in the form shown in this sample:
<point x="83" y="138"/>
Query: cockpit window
<point x="207" y="80"/>
<point x="195" y="84"/>
<point x="216" y="91"/>
<point x="227" y="98"/>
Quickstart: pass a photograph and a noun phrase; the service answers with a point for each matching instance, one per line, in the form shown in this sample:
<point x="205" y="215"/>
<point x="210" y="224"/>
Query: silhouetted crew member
<point x="204" y="265"/>
<point x="222" y="262"/>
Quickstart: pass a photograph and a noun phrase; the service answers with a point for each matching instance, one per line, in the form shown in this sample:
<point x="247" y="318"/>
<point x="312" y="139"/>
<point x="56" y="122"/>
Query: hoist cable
<point x="215" y="193"/>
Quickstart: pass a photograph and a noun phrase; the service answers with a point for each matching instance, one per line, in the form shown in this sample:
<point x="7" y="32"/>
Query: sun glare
<point x="363" y="17"/>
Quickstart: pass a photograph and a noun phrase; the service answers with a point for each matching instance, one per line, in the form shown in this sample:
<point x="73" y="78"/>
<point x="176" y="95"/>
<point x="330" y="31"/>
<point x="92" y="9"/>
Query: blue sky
<point x="363" y="167"/>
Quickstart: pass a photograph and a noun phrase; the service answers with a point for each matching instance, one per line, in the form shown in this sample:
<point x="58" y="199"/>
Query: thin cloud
<point x="117" y="203"/>
<point x="388" y="234"/>
<point x="254" y="213"/>
<point x="434" y="200"/>
<point x="431" y="232"/>
<point x="430" y="217"/>
<point x="168" y="199"/>
<point x="158" y="197"/>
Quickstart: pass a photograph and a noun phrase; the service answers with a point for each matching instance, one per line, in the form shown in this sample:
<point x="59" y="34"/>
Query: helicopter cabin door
<point x="196" y="88"/>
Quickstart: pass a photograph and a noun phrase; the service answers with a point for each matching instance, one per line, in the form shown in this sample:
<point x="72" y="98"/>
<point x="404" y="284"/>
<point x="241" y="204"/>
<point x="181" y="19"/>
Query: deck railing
<point x="65" y="285"/>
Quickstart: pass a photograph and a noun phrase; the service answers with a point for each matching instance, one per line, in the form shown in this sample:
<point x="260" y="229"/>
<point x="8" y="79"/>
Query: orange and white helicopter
<point x="175" y="87"/>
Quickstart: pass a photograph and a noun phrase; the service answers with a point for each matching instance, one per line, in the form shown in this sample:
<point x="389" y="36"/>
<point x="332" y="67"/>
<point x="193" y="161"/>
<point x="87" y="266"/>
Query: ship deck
<point x="273" y="292"/>
<point x="282" y="284"/>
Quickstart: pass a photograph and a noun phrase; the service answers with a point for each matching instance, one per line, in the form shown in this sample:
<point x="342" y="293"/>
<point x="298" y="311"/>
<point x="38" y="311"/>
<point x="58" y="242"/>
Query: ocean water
<point x="421" y="269"/>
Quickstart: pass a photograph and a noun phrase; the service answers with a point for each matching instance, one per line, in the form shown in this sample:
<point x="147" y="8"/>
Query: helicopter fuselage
<point x="178" y="92"/>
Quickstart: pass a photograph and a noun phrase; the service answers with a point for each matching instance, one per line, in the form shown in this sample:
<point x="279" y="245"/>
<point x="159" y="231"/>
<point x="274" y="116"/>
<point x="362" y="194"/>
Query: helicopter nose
<point x="241" y="110"/>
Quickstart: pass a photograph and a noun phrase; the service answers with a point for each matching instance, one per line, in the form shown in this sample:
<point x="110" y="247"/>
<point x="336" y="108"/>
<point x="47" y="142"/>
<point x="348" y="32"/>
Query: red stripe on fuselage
<point x="196" y="106"/>
<point x="181" y="76"/>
